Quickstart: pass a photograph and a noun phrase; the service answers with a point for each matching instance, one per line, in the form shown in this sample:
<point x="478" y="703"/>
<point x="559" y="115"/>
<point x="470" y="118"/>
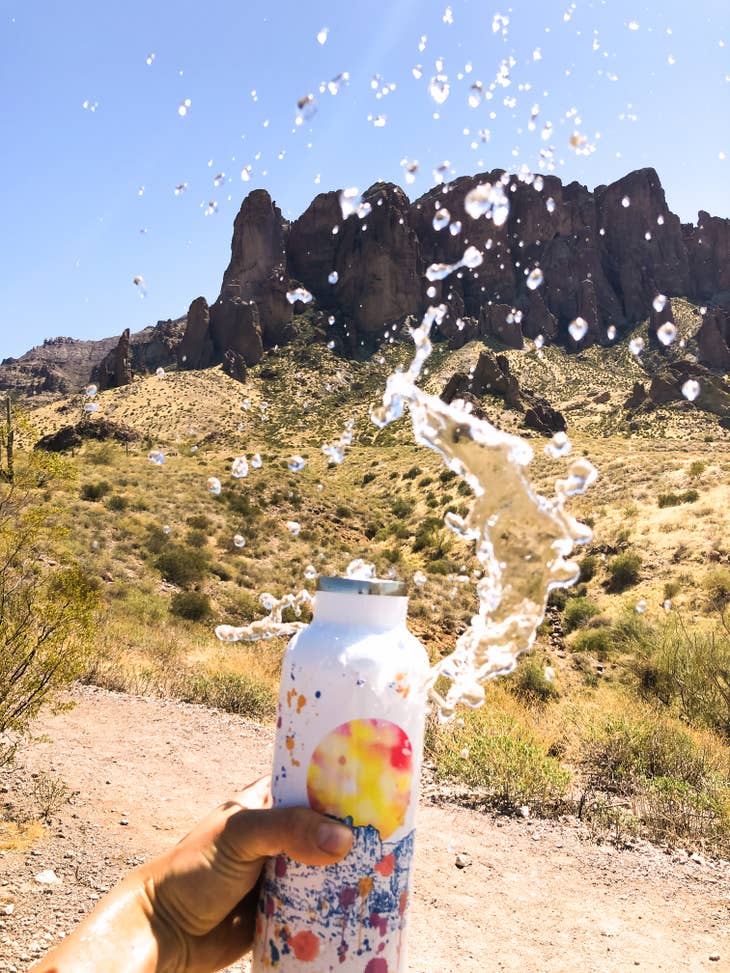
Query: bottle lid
<point x="363" y="586"/>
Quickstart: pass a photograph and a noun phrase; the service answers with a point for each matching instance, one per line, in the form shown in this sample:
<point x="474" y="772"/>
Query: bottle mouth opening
<point x="363" y="586"/>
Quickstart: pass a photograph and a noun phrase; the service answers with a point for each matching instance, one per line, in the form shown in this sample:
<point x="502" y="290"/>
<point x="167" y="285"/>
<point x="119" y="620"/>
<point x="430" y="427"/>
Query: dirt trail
<point x="538" y="897"/>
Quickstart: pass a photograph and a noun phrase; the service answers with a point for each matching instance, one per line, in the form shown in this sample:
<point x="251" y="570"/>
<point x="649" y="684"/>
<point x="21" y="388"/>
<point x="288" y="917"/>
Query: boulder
<point x="71" y="437"/>
<point x="542" y="417"/>
<point x="502" y="323"/>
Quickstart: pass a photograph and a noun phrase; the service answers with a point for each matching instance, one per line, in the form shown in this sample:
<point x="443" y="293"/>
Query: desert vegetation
<point x="620" y="713"/>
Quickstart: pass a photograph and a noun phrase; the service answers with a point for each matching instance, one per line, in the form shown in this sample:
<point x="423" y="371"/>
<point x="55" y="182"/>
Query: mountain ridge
<point x="603" y="255"/>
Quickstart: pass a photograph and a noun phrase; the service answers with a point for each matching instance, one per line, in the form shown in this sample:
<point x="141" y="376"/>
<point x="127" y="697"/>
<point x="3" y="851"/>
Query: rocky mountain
<point x="544" y="254"/>
<point x="61" y="366"/>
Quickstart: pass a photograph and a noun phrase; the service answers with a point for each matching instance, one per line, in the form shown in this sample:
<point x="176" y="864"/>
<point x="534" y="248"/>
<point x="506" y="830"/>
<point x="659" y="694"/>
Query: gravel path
<point x="532" y="896"/>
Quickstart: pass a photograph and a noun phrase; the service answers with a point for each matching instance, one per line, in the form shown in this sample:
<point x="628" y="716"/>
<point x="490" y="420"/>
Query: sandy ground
<point x="535" y="896"/>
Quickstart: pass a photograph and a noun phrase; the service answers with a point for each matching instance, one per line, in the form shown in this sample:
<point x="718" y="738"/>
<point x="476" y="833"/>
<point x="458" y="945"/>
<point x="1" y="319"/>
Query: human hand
<point x="192" y="910"/>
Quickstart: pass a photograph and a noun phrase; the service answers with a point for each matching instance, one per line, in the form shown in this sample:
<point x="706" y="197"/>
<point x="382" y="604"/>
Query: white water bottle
<point x="349" y="744"/>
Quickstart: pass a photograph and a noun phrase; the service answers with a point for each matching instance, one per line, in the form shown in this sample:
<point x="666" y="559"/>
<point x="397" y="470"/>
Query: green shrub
<point x="199" y="522"/>
<point x="193" y="605"/>
<point x="103" y="455"/>
<point x="672" y="589"/>
<point x="577" y="612"/>
<point x="182" y="566"/>
<point x="717" y="589"/>
<point x="343" y="512"/>
<point x="623" y="571"/>
<point x="675" y="499"/>
<point x="596" y="641"/>
<point x="498" y="753"/>
<point x="228" y="691"/>
<point x="402" y="507"/>
<point x="412" y="473"/>
<point x="689" y="668"/>
<point x="589" y="567"/>
<point x="95" y="491"/>
<point x="530" y="682"/>
<point x="446" y="476"/>
<point x="197" y="539"/>
<point x="440" y="566"/>
<point x="156" y="540"/>
<point x="117" y="502"/>
<point x="368" y="478"/>
<point x="678" y="786"/>
<point x="557" y="598"/>
<point x="697" y="468"/>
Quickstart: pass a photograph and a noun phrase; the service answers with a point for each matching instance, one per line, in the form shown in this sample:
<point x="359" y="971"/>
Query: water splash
<point x="272" y="625"/>
<point x="522" y="540"/>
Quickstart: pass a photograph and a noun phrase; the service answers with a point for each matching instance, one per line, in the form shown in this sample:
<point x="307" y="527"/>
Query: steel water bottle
<point x="349" y="744"/>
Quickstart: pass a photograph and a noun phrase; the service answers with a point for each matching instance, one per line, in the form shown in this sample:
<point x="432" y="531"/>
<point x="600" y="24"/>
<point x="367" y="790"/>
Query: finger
<point x="255" y="795"/>
<point x="215" y="866"/>
<point x="299" y="832"/>
<point x="228" y="941"/>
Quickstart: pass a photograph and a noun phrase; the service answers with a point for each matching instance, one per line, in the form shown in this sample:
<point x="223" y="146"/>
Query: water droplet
<point x="438" y="271"/>
<point x="322" y="35"/>
<point x="441" y="219"/>
<point x="539" y="341"/>
<point x="89" y="105"/>
<point x="659" y="303"/>
<point x="182" y="108"/>
<point x="476" y="94"/>
<point x="472" y="258"/>
<point x="660" y="220"/>
<point x="611" y="332"/>
<point x="578" y="329"/>
<point x="296" y="463"/>
<point x="330" y="345"/>
<point x="219" y="179"/>
<point x="439" y="88"/>
<point x="350" y="200"/>
<point x="636" y="346"/>
<point x="246" y="173"/>
<point x="464" y="754"/>
<point x="299" y="294"/>
<point x="633" y="25"/>
<point x="360" y="569"/>
<point x="141" y="284"/>
<point x="448" y="16"/>
<point x="91" y="391"/>
<point x="293" y="527"/>
<point x="550" y="204"/>
<point x="559" y="445"/>
<point x="214" y="485"/>
<point x="211" y="209"/>
<point x="487" y="200"/>
<point x="91" y="407"/>
<point x="535" y="279"/>
<point x="150" y="59"/>
<point x="338" y="82"/>
<point x="310" y="572"/>
<point x="431" y="292"/>
<point x="160" y="372"/>
<point x="419" y="579"/>
<point x="455" y="228"/>
<point x="691" y="389"/>
<point x="239" y="540"/>
<point x="167" y="529"/>
<point x="239" y="467"/>
<point x="666" y="333"/>
<point x="641" y="606"/>
<point x="256" y="461"/>
<point x="333" y="277"/>
<point x="626" y="202"/>
<point x="156" y="456"/>
<point x="667" y="605"/>
<point x="331" y="319"/>
<point x="180" y="188"/>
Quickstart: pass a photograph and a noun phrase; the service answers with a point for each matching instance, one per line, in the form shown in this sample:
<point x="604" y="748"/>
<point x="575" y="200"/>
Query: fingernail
<point x="334" y="838"/>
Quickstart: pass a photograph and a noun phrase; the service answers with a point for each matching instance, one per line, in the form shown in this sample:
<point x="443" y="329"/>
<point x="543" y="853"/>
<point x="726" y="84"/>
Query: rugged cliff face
<point x="602" y="256"/>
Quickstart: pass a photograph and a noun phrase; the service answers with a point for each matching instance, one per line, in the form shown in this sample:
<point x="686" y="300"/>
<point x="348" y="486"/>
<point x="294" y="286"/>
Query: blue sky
<point x="88" y="198"/>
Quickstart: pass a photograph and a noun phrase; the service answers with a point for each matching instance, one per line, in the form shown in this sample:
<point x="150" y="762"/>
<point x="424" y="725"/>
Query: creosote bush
<point x="192" y="605"/>
<point x="623" y="571"/>
<point x="577" y="612"/>
<point x="182" y="566"/>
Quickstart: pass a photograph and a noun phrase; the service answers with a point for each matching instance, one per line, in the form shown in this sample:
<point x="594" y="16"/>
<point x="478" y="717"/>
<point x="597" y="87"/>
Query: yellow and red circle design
<point x="363" y="770"/>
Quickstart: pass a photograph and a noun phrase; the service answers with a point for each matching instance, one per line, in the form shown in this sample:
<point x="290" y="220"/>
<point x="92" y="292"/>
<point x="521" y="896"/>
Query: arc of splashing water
<point x="522" y="539"/>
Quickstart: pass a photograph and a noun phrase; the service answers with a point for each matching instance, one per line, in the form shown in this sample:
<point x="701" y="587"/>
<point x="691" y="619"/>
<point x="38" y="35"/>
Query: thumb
<point x="303" y="834"/>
